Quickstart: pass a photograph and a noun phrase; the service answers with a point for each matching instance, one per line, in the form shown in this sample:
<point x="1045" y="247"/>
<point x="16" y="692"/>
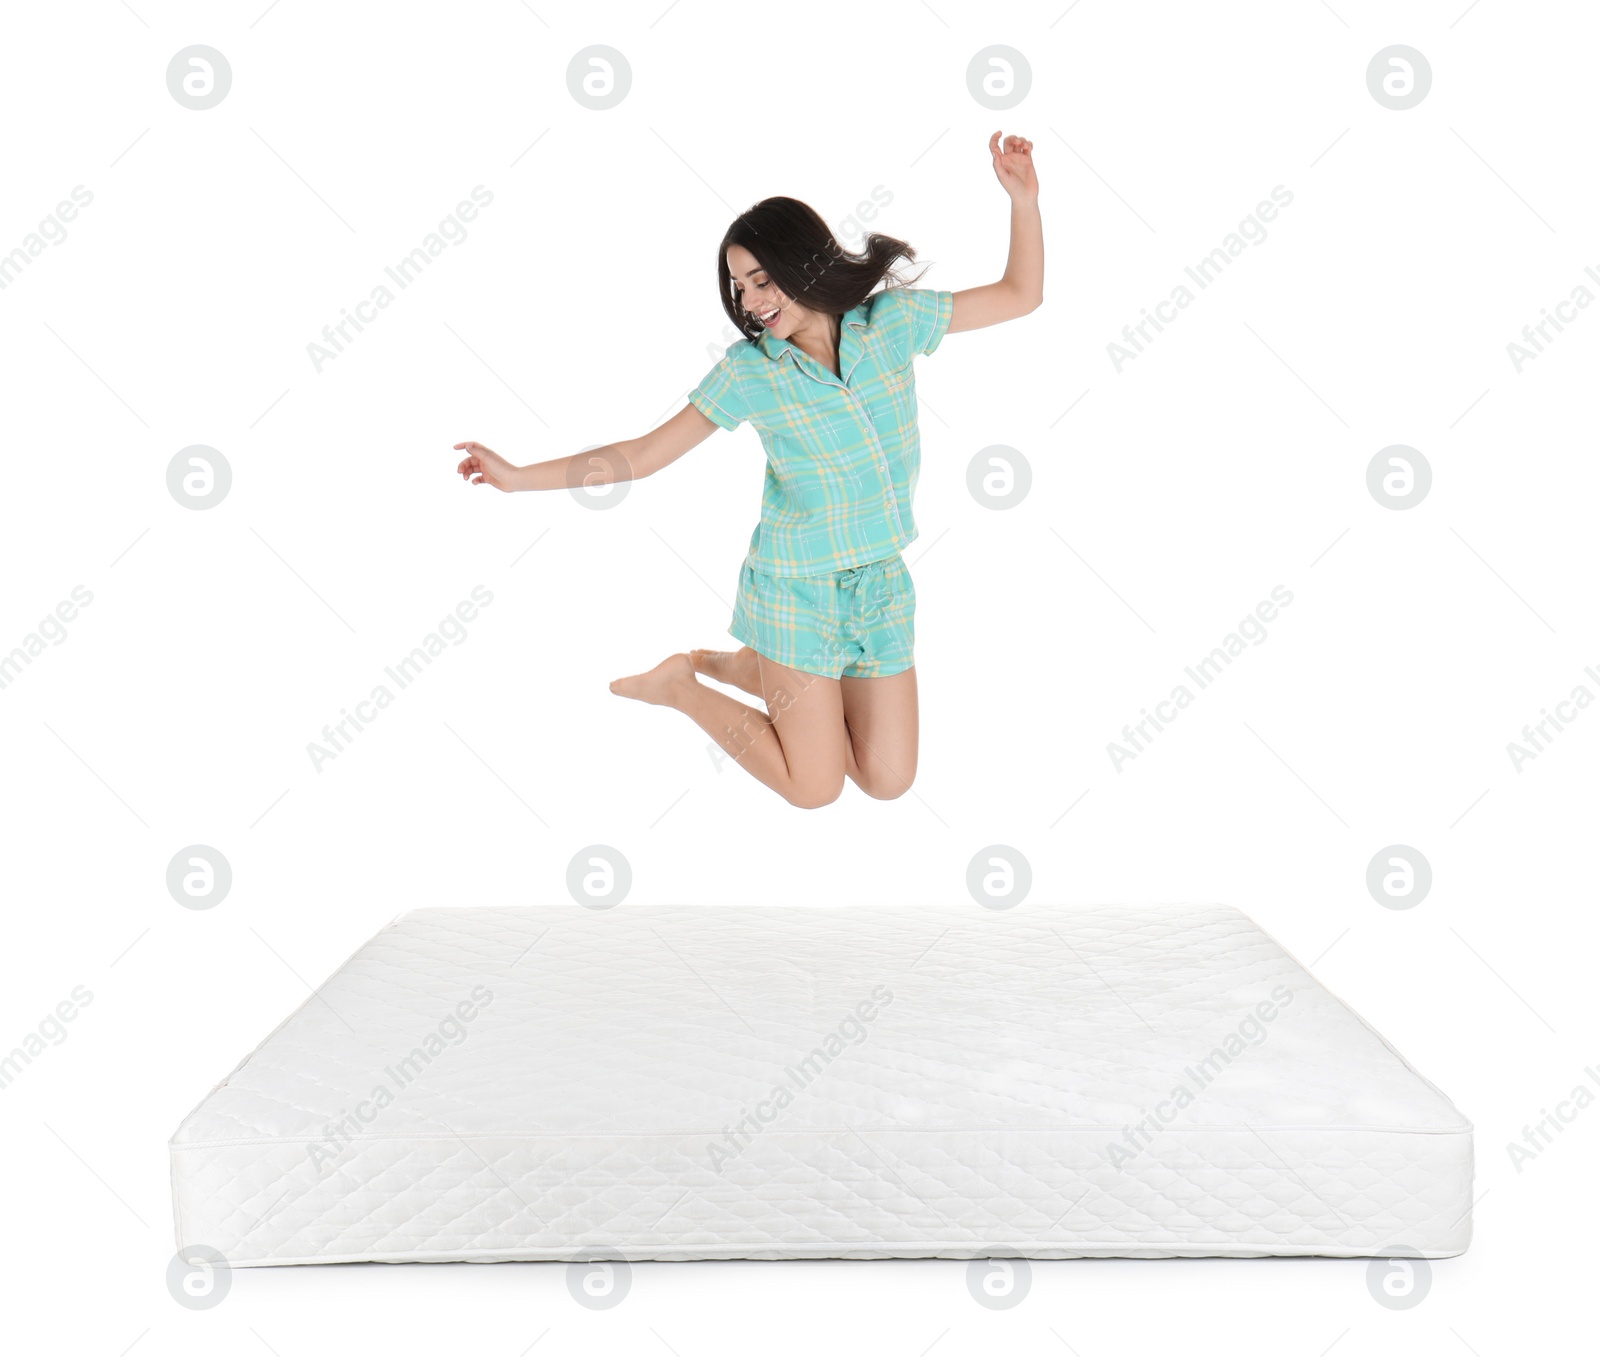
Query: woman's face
<point x="761" y="297"/>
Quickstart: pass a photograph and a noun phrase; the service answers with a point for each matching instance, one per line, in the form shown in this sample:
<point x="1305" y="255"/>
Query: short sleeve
<point x="929" y="313"/>
<point x="915" y="318"/>
<point x="717" y="397"/>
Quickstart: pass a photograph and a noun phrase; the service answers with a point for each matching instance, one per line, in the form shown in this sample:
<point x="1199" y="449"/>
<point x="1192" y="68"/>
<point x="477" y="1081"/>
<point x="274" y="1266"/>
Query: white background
<point x="1228" y="458"/>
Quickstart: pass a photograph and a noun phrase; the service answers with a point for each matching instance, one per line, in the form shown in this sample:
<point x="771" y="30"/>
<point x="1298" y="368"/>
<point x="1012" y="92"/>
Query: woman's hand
<point x="1013" y="167"/>
<point x="485" y="466"/>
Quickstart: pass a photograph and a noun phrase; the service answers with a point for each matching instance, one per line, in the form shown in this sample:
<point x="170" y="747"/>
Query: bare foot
<point x="737" y="668"/>
<point x="659" y="685"/>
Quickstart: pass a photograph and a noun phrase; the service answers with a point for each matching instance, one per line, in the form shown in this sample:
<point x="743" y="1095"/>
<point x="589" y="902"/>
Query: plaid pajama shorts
<point x="856" y="623"/>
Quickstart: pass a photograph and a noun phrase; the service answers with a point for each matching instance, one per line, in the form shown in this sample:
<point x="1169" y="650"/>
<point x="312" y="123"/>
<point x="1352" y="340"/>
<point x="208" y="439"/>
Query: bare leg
<point x="798" y="746"/>
<point x="739" y="669"/>
<point x="881" y="716"/>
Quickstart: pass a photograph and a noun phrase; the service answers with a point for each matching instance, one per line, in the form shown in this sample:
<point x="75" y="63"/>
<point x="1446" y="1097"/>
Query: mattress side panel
<point x="847" y="1194"/>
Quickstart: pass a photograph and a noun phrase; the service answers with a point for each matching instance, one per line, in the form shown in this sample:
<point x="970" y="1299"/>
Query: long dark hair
<point x="798" y="251"/>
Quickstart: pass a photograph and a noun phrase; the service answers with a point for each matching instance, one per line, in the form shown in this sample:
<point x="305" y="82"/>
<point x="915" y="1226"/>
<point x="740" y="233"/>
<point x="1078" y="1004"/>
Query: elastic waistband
<point x="855" y="571"/>
<point x="844" y="576"/>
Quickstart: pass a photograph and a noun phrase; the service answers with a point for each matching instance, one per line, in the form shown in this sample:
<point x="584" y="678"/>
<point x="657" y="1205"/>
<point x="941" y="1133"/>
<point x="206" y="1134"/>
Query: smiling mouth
<point x="770" y="316"/>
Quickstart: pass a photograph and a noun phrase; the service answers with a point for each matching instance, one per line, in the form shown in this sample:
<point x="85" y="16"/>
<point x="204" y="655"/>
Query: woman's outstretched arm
<point x="630" y="460"/>
<point x="1021" y="290"/>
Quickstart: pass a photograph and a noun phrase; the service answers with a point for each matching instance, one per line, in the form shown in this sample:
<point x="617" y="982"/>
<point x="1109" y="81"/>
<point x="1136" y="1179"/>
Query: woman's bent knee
<point x="885" y="787"/>
<point x="815" y="795"/>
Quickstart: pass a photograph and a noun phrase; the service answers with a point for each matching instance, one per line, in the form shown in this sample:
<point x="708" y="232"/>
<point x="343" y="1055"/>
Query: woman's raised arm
<point x="1021" y="290"/>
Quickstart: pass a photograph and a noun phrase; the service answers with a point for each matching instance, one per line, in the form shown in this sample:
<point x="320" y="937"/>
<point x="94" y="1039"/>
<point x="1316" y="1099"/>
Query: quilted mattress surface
<point x="493" y="1084"/>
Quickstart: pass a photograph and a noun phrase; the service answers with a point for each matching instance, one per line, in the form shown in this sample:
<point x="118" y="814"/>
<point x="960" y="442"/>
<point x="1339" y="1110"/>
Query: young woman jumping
<point x="825" y="604"/>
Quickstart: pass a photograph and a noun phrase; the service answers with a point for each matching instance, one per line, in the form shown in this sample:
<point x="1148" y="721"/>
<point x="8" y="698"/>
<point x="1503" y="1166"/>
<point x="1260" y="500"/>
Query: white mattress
<point x="681" y="1083"/>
